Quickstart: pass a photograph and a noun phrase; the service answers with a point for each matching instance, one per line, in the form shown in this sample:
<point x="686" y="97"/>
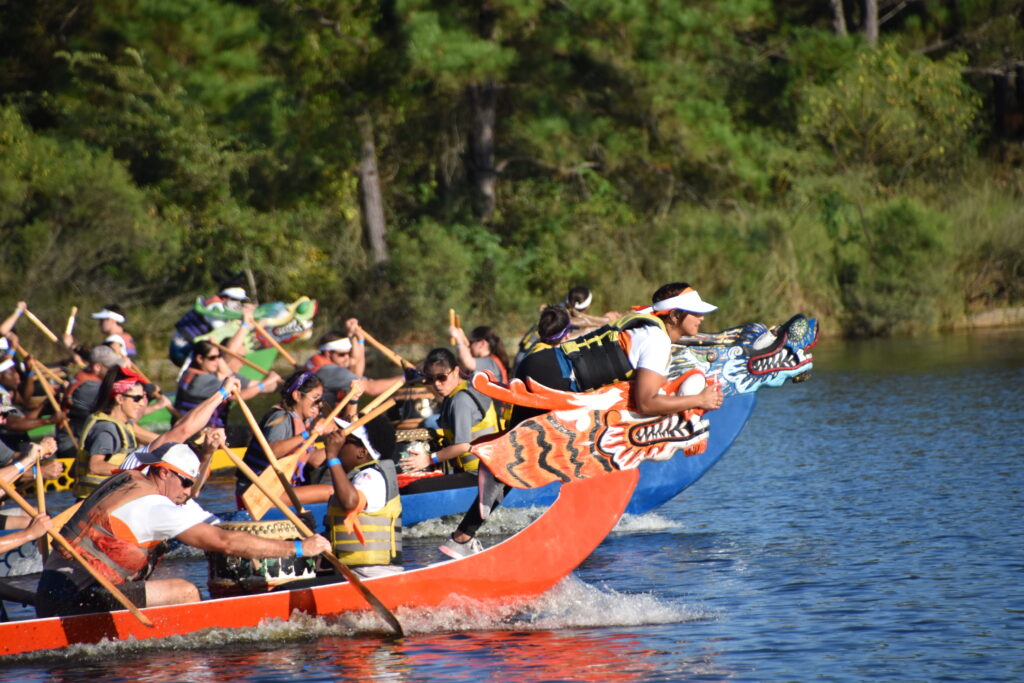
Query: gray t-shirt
<point x="460" y="412"/>
<point x="337" y="382"/>
<point x="103" y="439"/>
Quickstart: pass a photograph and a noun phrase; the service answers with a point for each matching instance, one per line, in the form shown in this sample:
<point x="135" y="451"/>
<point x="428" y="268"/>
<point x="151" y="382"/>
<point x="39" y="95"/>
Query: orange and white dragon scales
<point x="585" y="434"/>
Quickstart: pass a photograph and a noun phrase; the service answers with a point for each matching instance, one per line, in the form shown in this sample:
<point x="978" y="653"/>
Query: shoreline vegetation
<point x="395" y="160"/>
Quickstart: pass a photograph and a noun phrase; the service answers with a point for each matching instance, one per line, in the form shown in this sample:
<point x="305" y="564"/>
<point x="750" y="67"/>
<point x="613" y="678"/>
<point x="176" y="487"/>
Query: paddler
<point x="365" y="494"/>
<point x="18" y="465"/>
<point x="635" y="347"/>
<point x="206" y="315"/>
<point x="340" y="359"/>
<point x="111" y="320"/>
<point x="120" y="531"/>
<point x="80" y="396"/>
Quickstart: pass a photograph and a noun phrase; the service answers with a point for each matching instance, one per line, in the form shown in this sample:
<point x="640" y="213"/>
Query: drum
<point x="231" y="575"/>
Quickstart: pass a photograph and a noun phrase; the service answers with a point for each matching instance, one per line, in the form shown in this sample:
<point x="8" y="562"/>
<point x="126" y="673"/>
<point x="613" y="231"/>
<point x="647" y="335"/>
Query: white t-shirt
<point x="374" y="487"/>
<point x="154" y="518"/>
<point x="651" y="349"/>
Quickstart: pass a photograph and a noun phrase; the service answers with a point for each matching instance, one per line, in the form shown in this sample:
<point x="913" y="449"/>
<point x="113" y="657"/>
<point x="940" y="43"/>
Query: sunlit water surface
<point x="867" y="524"/>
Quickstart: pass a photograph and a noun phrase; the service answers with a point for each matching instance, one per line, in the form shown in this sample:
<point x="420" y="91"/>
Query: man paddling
<point x="120" y="531"/>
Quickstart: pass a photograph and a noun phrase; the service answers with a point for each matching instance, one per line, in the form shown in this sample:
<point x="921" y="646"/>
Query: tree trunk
<point x="871" y="22"/>
<point x="838" y="17"/>
<point x="370" y="194"/>
<point x="483" y="102"/>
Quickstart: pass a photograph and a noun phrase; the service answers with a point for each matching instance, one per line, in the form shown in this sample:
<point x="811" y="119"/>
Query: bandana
<point x="294" y="386"/>
<point x="344" y="344"/>
<point x="123" y="385"/>
<point x="582" y="306"/>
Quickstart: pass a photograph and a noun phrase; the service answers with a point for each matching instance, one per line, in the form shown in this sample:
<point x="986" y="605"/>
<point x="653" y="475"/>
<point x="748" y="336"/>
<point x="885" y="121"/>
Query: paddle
<point x="238" y="356"/>
<point x="273" y="342"/>
<point x="42" y="369"/>
<point x="42" y="326"/>
<point x="70" y="327"/>
<point x="305" y="532"/>
<point x="63" y="543"/>
<point x="48" y="390"/>
<point x="451" y="323"/>
<point x="253" y="500"/>
<point x="388" y="353"/>
<point x="44" y="546"/>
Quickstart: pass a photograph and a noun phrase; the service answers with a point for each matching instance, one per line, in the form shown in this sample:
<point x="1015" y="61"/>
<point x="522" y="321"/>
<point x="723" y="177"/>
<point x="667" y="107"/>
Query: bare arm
<point x="644" y="396"/>
<point x="462" y="352"/>
<point x="209" y="537"/>
<point x="344" y="491"/>
<point x="357" y="363"/>
<point x="197" y="418"/>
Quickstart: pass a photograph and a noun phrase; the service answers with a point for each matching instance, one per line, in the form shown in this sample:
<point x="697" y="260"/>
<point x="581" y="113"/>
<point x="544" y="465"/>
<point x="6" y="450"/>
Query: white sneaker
<point x="457" y="551"/>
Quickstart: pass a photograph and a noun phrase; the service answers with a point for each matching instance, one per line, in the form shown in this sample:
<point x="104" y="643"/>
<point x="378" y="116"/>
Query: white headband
<point x="688" y="300"/>
<point x="236" y="293"/>
<point x="361" y="434"/>
<point x="583" y="304"/>
<point x="344" y="344"/>
<point x="5" y="365"/>
<point x="107" y="314"/>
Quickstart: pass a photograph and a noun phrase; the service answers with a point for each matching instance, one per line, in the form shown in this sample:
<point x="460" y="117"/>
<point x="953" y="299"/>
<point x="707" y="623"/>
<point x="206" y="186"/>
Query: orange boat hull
<point x="525" y="565"/>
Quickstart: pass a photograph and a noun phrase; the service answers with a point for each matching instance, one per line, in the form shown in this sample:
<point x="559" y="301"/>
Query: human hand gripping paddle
<point x="305" y="531"/>
<point x="63" y="543"/>
<point x="48" y="390"/>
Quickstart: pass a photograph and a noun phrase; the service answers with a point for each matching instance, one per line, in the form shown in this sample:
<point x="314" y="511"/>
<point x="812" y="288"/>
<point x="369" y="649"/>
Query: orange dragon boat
<point x="522" y="566"/>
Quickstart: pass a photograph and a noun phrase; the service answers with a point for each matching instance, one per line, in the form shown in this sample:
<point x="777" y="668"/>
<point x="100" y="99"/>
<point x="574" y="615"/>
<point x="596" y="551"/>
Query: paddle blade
<point x="253" y="499"/>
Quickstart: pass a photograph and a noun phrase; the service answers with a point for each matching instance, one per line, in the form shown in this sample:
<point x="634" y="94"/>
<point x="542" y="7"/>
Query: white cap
<point x="236" y="293"/>
<point x="117" y="339"/>
<point x="106" y="314"/>
<point x="176" y="457"/>
<point x="687" y="300"/>
<point x="343" y="344"/>
<point x="362" y="435"/>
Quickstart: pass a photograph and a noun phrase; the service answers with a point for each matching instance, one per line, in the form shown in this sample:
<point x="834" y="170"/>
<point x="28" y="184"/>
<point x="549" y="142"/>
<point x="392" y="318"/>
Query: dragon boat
<point x="520" y="567"/>
<point x="742" y="360"/>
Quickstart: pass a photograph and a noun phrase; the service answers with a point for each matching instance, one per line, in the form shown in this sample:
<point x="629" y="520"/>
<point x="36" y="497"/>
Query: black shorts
<point x="58" y="595"/>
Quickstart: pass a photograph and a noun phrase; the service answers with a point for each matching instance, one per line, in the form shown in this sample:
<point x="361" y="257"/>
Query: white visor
<point x="362" y="435"/>
<point x="116" y="339"/>
<point x="344" y="344"/>
<point x="6" y="365"/>
<point x="688" y="300"/>
<point x="109" y="315"/>
<point x="236" y="293"/>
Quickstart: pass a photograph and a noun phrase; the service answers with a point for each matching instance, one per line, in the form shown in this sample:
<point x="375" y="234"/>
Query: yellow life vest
<point x="85" y="482"/>
<point x="467" y="462"/>
<point x="382" y="529"/>
<point x="600" y="358"/>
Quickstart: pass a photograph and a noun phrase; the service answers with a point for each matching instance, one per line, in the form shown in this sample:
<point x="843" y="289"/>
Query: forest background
<point x="858" y="160"/>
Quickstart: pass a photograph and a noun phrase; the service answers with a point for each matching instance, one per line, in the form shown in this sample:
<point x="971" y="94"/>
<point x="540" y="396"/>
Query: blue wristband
<point x="304" y="435"/>
<point x="433" y="459"/>
<point x="18" y="466"/>
<point x="333" y="461"/>
<point x="10" y="352"/>
<point x="298" y="548"/>
<point x="260" y="385"/>
<point x="30" y="373"/>
<point x="362" y="341"/>
<point x="223" y="393"/>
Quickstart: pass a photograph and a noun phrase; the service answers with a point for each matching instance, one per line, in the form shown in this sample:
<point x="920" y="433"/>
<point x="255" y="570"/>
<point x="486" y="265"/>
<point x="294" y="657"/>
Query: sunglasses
<point x="185" y="483"/>
<point x="139" y="398"/>
<point x="212" y="357"/>
<point x="433" y="379"/>
<point x="315" y="401"/>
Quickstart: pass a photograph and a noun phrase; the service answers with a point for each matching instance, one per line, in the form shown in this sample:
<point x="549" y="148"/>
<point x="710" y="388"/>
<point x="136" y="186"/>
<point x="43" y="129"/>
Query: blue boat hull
<point x="659" y="481"/>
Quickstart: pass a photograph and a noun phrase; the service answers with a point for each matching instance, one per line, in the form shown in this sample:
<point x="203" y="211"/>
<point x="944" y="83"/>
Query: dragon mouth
<point x="783" y="360"/>
<point x="673" y="428"/>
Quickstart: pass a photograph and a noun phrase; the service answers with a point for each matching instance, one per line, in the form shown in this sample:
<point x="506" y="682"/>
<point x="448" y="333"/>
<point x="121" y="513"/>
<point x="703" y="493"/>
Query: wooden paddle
<point x="42" y="369"/>
<point x="63" y="543"/>
<point x="42" y="326"/>
<point x="451" y="323"/>
<point x="254" y="501"/>
<point x="44" y="545"/>
<point x="48" y="390"/>
<point x="238" y="356"/>
<point x="305" y="531"/>
<point x="70" y="327"/>
<point x="273" y="342"/>
<point x="388" y="353"/>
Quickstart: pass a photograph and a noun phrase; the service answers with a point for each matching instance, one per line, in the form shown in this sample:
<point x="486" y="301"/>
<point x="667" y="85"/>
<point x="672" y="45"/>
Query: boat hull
<point x="523" y="566"/>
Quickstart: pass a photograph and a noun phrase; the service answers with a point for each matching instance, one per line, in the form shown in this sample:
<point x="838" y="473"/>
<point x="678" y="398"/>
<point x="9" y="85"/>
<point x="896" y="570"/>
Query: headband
<point x="558" y="337"/>
<point x="344" y="344"/>
<point x="299" y="381"/>
<point x="687" y="300"/>
<point x="582" y="306"/>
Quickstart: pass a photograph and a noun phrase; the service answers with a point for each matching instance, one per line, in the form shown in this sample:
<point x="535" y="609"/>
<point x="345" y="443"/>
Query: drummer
<point x="120" y="532"/>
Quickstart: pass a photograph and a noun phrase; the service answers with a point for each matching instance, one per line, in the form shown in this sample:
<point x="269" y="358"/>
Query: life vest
<point x="81" y="377"/>
<point x="317" y="361"/>
<point x="85" y="482"/>
<point x="382" y="529"/>
<point x="106" y="544"/>
<point x="601" y="357"/>
<point x="467" y="462"/>
<point x="220" y="415"/>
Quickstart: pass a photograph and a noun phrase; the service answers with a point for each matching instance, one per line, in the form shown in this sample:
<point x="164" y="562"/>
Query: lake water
<point x="867" y="525"/>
